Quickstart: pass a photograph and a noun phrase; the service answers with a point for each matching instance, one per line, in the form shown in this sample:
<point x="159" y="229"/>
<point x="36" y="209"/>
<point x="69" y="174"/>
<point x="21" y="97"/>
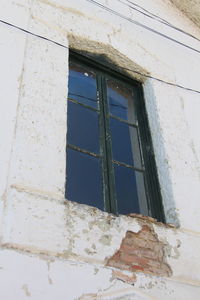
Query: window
<point x="110" y="163"/>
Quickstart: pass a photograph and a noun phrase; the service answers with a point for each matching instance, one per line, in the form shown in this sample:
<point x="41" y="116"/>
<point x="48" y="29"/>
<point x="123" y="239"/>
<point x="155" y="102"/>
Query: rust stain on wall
<point x="143" y="252"/>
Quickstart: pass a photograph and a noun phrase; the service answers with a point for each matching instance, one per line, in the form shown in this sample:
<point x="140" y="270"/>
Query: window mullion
<point x="107" y="146"/>
<point x="103" y="145"/>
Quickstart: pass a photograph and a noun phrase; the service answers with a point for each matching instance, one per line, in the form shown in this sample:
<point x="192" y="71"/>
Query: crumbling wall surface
<point x="66" y="250"/>
<point x="68" y="276"/>
<point x="50" y="247"/>
<point x="141" y="251"/>
<point x="42" y="277"/>
<point x="190" y="8"/>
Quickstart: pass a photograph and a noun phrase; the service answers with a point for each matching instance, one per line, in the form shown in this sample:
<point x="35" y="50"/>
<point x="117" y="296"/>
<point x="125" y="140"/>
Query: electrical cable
<point x="156" y="18"/>
<point x="141" y="25"/>
<point x="127" y="69"/>
<point x="147" y="11"/>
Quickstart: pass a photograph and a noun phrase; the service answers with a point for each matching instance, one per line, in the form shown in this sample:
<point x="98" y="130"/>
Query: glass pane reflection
<point x="126" y="188"/>
<point x="125" y="145"/>
<point x="82" y="85"/>
<point x="83" y="130"/>
<point x="84" y="182"/>
<point x="141" y="193"/>
<point x="121" y="101"/>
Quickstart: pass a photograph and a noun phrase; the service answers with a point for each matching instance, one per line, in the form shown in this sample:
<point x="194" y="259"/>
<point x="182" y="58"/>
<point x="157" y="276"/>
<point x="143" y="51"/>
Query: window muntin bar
<point x="127" y="166"/>
<point x="82" y="104"/>
<point x="123" y="121"/>
<point x="83" y="150"/>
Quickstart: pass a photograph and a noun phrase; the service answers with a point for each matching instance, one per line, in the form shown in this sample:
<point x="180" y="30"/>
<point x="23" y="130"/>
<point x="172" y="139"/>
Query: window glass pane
<point x="121" y="101"/>
<point x="82" y="85"/>
<point x="82" y="130"/>
<point x="126" y="189"/>
<point x="141" y="193"/>
<point x="84" y="182"/>
<point x="125" y="145"/>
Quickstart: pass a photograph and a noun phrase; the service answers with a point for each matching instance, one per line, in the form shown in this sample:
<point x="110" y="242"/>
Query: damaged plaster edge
<point x="51" y="258"/>
<point x="49" y="255"/>
<point x="39" y="193"/>
<point x="65" y="255"/>
<point x="151" y="220"/>
<point x="167" y="226"/>
<point x="136" y="275"/>
<point x="120" y="293"/>
<point x="153" y="259"/>
<point x="130" y="289"/>
<point x="138" y="218"/>
<point x="132" y="217"/>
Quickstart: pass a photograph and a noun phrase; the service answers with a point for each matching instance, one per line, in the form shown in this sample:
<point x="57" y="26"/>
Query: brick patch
<point x="143" y="252"/>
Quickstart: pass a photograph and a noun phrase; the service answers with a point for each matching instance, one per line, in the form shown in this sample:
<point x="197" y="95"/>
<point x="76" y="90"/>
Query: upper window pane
<point x="82" y="85"/>
<point x="83" y="127"/>
<point x="121" y="101"/>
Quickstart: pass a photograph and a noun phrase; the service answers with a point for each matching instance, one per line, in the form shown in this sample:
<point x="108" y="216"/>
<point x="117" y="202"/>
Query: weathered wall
<point x="52" y="248"/>
<point x="190" y="8"/>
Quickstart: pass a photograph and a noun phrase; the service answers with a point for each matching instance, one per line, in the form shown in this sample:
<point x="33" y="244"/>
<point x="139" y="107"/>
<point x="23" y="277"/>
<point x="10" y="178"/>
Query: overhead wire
<point x="127" y="69"/>
<point x="156" y="18"/>
<point x="147" y="11"/>
<point x="141" y="25"/>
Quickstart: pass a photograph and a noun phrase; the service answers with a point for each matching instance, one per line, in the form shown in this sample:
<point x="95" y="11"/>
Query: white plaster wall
<point x="39" y="150"/>
<point x="45" y="278"/>
<point x="75" y="241"/>
<point x="11" y="61"/>
<point x="163" y="59"/>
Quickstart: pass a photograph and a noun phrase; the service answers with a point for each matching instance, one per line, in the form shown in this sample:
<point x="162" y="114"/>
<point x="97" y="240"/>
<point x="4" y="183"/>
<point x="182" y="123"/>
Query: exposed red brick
<point x="137" y="268"/>
<point x="141" y="251"/>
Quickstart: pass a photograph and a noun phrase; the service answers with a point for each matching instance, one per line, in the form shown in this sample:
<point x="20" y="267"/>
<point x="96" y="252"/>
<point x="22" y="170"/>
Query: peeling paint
<point x="87" y="297"/>
<point x="48" y="268"/>
<point x="26" y="291"/>
<point x="90" y="252"/>
<point x="127" y="278"/>
<point x="173" y="251"/>
<point x="105" y="240"/>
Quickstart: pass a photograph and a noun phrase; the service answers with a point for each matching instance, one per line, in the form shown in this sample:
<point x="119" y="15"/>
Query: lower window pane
<point x="125" y="145"/>
<point x="84" y="180"/>
<point x="126" y="189"/>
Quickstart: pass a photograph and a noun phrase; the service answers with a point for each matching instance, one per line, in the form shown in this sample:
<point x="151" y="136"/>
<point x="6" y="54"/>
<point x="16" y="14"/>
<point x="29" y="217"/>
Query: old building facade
<point x="52" y="248"/>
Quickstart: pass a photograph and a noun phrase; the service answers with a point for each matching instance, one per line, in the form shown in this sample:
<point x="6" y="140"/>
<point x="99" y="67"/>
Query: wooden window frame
<point x="152" y="188"/>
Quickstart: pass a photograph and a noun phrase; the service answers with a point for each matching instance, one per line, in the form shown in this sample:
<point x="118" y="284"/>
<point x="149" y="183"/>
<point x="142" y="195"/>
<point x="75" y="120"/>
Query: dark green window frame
<point x="152" y="188"/>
